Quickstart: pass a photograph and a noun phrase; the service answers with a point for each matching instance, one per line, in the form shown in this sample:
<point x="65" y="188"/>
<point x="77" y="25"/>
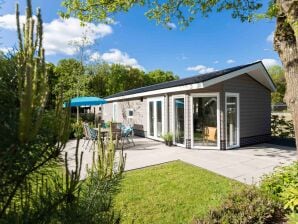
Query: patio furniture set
<point x="120" y="134"/>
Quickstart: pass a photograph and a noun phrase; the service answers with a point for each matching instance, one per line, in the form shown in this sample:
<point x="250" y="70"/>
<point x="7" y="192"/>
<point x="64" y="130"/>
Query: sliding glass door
<point x="232" y="120"/>
<point x="159" y="118"/>
<point x="155" y="118"/>
<point x="178" y="119"/>
<point x="151" y="118"/>
<point x="205" y="120"/>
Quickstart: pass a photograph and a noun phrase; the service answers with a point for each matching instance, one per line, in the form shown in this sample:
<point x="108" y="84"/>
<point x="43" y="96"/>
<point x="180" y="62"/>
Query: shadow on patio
<point x="268" y="150"/>
<point x="142" y="144"/>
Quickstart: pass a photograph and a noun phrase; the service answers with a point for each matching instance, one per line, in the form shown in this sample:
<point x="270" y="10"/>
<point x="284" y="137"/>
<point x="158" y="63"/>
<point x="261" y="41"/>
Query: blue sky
<point x="209" y="44"/>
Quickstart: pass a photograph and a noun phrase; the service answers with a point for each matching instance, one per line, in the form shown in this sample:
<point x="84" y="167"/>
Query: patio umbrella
<point x="85" y="101"/>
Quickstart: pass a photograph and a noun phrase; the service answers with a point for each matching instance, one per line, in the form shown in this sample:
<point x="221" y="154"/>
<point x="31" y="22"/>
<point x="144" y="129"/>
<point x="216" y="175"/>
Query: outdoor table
<point x="103" y="131"/>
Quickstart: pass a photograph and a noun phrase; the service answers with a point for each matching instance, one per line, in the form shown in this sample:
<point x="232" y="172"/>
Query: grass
<point x="174" y="192"/>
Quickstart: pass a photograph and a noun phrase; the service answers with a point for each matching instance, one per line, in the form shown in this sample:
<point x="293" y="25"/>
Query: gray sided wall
<point x="255" y="109"/>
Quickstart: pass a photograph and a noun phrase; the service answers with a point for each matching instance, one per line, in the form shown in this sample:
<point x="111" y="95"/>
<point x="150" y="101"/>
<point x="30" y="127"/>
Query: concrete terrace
<point x="246" y="164"/>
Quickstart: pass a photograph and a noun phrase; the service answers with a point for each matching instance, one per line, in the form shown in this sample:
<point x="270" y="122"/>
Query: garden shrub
<point x="281" y="127"/>
<point x="247" y="205"/>
<point x="34" y="187"/>
<point x="283" y="185"/>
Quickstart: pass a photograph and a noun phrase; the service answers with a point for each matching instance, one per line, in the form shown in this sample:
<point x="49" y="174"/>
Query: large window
<point x="159" y="118"/>
<point x="179" y="120"/>
<point x="151" y="118"/>
<point x="232" y="120"/>
<point x="205" y="121"/>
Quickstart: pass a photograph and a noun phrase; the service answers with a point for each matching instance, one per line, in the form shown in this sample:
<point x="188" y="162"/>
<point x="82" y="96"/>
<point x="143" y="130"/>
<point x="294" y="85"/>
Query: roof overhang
<point x="256" y="71"/>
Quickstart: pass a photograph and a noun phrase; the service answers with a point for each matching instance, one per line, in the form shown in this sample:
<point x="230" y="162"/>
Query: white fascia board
<point x="205" y="84"/>
<point x="159" y="91"/>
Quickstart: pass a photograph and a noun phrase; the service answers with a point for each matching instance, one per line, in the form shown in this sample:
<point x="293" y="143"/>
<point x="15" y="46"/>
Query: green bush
<point x="283" y="184"/>
<point x="280" y="127"/>
<point x="293" y="218"/>
<point x="246" y="206"/>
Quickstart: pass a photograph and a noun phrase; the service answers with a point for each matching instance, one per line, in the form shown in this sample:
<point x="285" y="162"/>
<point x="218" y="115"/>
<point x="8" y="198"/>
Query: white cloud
<point x="171" y="26"/>
<point x="5" y="50"/>
<point x="270" y="37"/>
<point x="230" y="61"/>
<point x="216" y="62"/>
<point x="115" y="56"/>
<point x="59" y="33"/>
<point x="201" y="69"/>
<point x="8" y="21"/>
<point x="94" y="57"/>
<point x="269" y="62"/>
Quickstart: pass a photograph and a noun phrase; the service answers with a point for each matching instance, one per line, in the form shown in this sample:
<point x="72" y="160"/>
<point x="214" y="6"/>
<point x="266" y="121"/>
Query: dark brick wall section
<point x="140" y="133"/>
<point x="222" y="144"/>
<point x="246" y="141"/>
<point x="255" y="140"/>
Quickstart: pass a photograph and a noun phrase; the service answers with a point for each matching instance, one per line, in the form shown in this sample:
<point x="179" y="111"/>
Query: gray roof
<point x="182" y="82"/>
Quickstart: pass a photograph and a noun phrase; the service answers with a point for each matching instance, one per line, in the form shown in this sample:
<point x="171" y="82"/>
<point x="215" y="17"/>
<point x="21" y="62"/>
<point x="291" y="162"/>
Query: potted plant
<point x="168" y="138"/>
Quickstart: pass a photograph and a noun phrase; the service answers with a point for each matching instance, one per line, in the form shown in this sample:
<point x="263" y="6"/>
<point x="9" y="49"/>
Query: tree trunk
<point x="285" y="43"/>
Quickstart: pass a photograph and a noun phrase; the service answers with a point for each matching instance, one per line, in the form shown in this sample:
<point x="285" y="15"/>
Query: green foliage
<point x="52" y="82"/>
<point x="283" y="184"/>
<point x="278" y="77"/>
<point x="78" y="130"/>
<point x="32" y="76"/>
<point x="34" y="187"/>
<point x="293" y="218"/>
<point x="110" y="79"/>
<point x="71" y="80"/>
<point x="54" y="195"/>
<point x="246" y="206"/>
<point x="168" y="137"/>
<point x="31" y="141"/>
<point x="123" y="78"/>
<point x="9" y="100"/>
<point x="159" y="76"/>
<point x="164" y="12"/>
<point x="98" y="84"/>
<point x="281" y="127"/>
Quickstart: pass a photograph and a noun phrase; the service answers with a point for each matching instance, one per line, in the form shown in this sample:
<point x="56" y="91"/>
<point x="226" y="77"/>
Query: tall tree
<point x="285" y="13"/>
<point x="71" y="81"/>
<point x="52" y="82"/>
<point x="98" y="79"/>
<point x="109" y="79"/>
<point x="158" y="76"/>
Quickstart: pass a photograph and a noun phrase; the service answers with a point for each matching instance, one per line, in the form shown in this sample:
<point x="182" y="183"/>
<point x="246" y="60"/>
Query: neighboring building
<point x="279" y="107"/>
<point x="218" y="110"/>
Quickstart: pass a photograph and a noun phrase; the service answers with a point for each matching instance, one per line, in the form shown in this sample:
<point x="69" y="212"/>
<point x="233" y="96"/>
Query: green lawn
<point x="170" y="193"/>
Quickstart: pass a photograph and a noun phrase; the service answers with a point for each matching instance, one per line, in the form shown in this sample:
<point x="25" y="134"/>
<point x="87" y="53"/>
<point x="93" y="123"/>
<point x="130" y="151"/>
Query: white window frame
<point x="127" y="111"/>
<point x="155" y="99"/>
<point x="213" y="94"/>
<point x="237" y="95"/>
<point x="173" y="118"/>
<point x="115" y="111"/>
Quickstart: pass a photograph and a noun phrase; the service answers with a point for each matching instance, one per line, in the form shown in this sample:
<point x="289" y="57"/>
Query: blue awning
<point x="86" y="101"/>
